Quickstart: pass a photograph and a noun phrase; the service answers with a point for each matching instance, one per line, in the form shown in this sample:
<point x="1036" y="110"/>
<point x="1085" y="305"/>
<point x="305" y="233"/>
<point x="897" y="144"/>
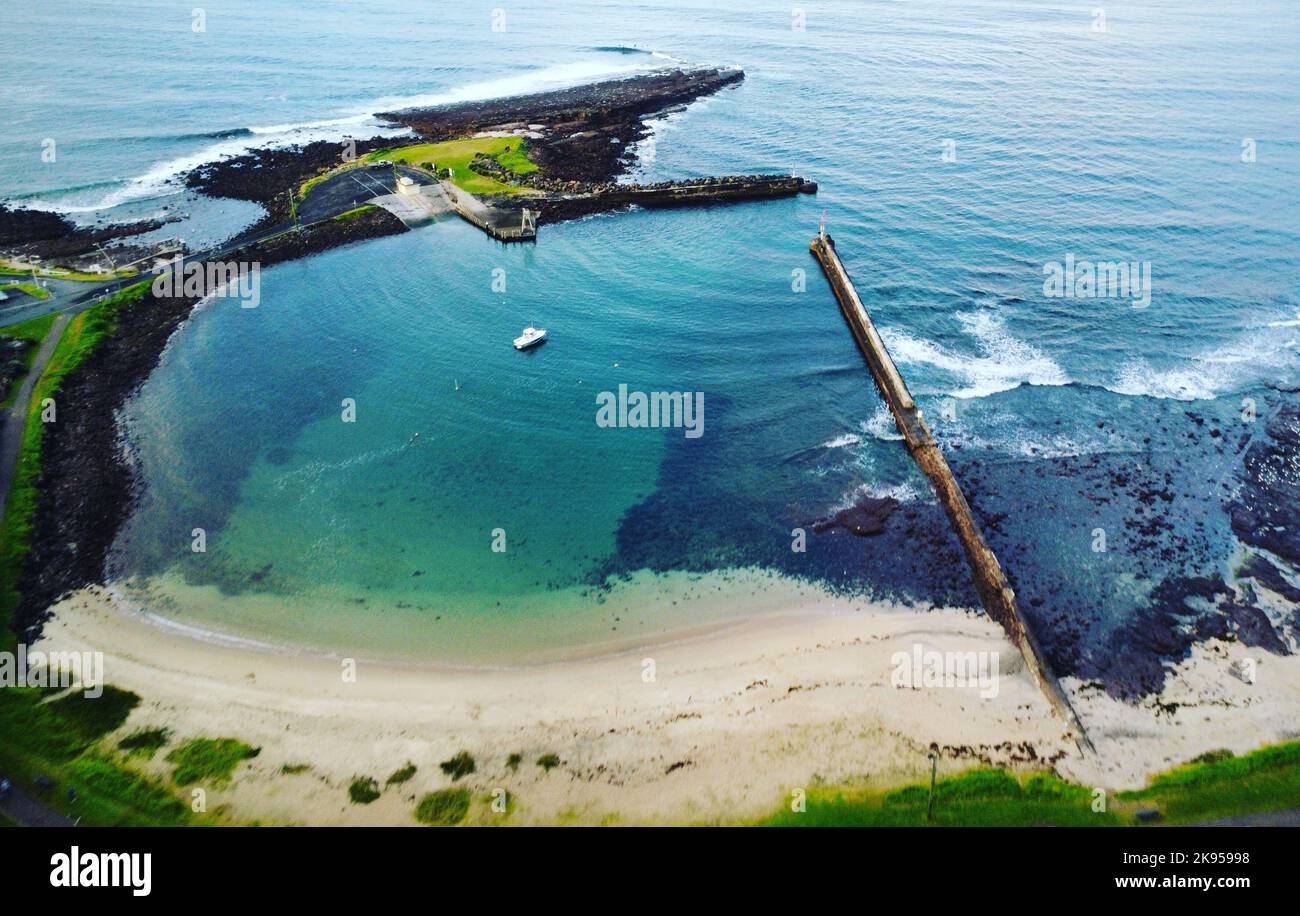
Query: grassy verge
<point x="30" y="289"/>
<point x="354" y="213"/>
<point x="9" y="269"/>
<point x="79" y="338"/>
<point x="56" y="741"/>
<point x="55" y="744"/>
<point x="35" y="331"/>
<point x="1266" y="780"/>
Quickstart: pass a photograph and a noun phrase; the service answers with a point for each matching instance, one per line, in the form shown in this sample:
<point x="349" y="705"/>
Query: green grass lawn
<point x="1266" y="780"/>
<point x="31" y="289"/>
<point x="453" y="154"/>
<point x="457" y="154"/>
<point x="33" y="329"/>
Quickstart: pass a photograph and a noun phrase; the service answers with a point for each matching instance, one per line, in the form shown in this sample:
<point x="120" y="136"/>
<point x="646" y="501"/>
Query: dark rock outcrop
<point x="587" y="131"/>
<point x="865" y="518"/>
<point x="86" y="485"/>
<point x="48" y="235"/>
<point x="1266" y="513"/>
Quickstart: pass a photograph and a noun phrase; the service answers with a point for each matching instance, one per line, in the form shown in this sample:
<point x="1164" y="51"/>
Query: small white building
<point x="407" y="186"/>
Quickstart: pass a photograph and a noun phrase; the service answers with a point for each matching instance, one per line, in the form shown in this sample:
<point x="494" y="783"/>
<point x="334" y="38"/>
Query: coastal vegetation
<point x="144" y="742"/>
<point x="31" y="289"/>
<point x="363" y="790"/>
<point x="13" y="269"/>
<point x="53" y="747"/>
<point x="510" y="153"/>
<point x="78" y="340"/>
<point x="460" y="765"/>
<point x="52" y="742"/>
<point x="548" y="762"/>
<point x="457" y="155"/>
<point x="402" y="775"/>
<point x="444" y="808"/>
<point x="209" y="760"/>
<point x="1216" y="786"/>
<point x="31" y="333"/>
<point x="354" y="213"/>
<point x="92" y="717"/>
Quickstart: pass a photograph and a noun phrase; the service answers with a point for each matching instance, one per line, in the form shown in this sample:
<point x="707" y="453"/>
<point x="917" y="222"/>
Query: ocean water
<point x="1122" y="144"/>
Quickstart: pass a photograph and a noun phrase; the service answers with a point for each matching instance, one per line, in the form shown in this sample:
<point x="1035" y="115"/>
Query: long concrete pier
<point x="990" y="582"/>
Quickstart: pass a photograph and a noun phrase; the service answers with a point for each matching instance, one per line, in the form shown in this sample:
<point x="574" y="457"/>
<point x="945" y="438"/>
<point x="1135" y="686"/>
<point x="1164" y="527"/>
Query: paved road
<point x="1289" y="818"/>
<point x="26" y="811"/>
<point x="11" y="435"/>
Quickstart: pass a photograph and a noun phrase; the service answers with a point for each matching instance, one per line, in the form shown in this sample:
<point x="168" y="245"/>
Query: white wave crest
<point x="161" y="179"/>
<point x="1004" y="362"/>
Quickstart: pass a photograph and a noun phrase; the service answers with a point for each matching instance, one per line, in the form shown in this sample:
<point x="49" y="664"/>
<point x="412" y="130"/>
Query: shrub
<point x="94" y="717"/>
<point x="363" y="790"/>
<point x="402" y="775"/>
<point x="460" y="765"/>
<point x="1213" y="756"/>
<point x="548" y="762"/>
<point x="144" y="742"/>
<point x="209" y="758"/>
<point x="444" y="808"/>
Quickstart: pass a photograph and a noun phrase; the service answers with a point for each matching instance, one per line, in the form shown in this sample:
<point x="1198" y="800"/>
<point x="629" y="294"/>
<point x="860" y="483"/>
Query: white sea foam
<point x="841" y="441"/>
<point x="1004" y="362"/>
<point x="1256" y="355"/>
<point x="160" y="179"/>
<point x="882" y="425"/>
<point x="905" y="492"/>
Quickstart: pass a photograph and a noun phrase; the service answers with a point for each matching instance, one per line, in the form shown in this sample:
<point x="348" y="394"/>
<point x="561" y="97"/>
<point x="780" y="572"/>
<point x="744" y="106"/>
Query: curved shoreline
<point x="87" y="483"/>
<point x="707" y="737"/>
<point x="731" y="722"/>
<point x="784" y="594"/>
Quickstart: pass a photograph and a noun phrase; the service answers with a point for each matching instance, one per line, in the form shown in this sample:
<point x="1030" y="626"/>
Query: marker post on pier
<point x="934" y="769"/>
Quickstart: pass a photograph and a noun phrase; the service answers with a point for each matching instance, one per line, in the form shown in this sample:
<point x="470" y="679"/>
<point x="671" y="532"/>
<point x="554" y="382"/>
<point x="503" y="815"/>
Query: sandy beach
<point x="735" y="719"/>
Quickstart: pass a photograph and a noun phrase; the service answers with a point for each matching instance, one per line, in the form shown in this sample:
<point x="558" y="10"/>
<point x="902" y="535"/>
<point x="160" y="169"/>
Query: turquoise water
<point x="1121" y="145"/>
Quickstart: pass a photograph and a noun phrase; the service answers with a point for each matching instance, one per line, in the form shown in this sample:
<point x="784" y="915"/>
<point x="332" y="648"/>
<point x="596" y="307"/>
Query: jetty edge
<point x="991" y="583"/>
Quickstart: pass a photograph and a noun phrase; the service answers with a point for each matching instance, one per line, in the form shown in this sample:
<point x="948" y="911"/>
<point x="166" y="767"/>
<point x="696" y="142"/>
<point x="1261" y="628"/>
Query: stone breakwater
<point x="990" y="581"/>
<point x="590" y="198"/>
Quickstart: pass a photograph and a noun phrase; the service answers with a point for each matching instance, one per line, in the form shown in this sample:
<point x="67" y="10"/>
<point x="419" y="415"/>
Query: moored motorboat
<point x="531" y="337"/>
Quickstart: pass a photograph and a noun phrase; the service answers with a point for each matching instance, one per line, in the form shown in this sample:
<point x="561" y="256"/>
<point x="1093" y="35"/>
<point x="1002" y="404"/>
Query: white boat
<point x="531" y="337"/>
